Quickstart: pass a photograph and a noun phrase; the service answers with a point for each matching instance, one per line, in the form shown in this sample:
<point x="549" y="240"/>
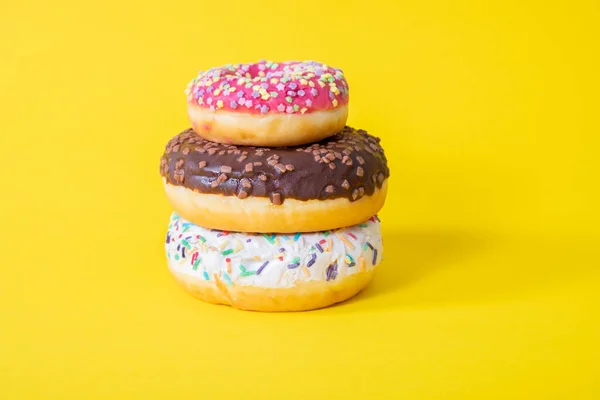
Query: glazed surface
<point x="350" y="164"/>
<point x="272" y="260"/>
<point x="269" y="87"/>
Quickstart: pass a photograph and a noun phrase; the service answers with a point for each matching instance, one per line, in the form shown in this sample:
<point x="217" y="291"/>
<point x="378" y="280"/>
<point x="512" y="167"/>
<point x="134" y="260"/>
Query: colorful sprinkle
<point x="206" y="275"/>
<point x="346" y="241"/>
<point x="332" y="271"/>
<point x="297" y="236"/>
<point x="312" y="260"/>
<point x="269" y="238"/>
<point x="227" y="279"/>
<point x="261" y="268"/>
<point x="318" y="246"/>
<point x="195" y="266"/>
<point x="361" y="263"/>
<point x="375" y="257"/>
<point x="226" y="252"/>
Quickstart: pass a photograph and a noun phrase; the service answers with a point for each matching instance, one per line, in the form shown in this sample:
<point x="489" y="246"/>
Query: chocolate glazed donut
<point x="344" y="172"/>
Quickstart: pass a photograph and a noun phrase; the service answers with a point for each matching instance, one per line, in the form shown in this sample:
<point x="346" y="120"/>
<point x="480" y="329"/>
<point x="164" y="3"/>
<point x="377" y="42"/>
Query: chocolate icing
<point x="350" y="164"/>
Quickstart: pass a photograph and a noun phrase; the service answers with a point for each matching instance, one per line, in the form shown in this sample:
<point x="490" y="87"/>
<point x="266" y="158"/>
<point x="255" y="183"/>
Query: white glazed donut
<point x="268" y="103"/>
<point x="273" y="272"/>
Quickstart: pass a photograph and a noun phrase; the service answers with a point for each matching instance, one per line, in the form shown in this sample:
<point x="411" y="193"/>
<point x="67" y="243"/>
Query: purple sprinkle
<point x="291" y="93"/>
<point x="374" y="256"/>
<point x="261" y="268"/>
<point x="264" y="109"/>
<point x="264" y="85"/>
<point x="168" y="237"/>
<point x="248" y="241"/>
<point x="331" y="95"/>
<point x="281" y="249"/>
<point x="370" y="246"/>
<point x="292" y="266"/>
<point x="256" y="95"/>
<point x="318" y="246"/>
<point x="280" y="87"/>
<point x="314" y="91"/>
<point x="233" y="104"/>
<point x="178" y="247"/>
<point x="301" y="93"/>
<point x="183" y="252"/>
<point x="211" y="89"/>
<point x="332" y="271"/>
<point x="201" y="92"/>
<point x="281" y="108"/>
<point x="293" y="85"/>
<point x="312" y="260"/>
<point x="240" y="93"/>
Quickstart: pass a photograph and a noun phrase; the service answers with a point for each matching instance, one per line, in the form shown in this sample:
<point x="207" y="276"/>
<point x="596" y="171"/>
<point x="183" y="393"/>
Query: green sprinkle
<point x="283" y="80"/>
<point x="242" y="268"/>
<point x="195" y="267"/>
<point x="248" y="85"/>
<point x="274" y="66"/>
<point x="288" y="99"/>
<point x="330" y="79"/>
<point x="326" y="233"/>
<point x="186" y="244"/>
<point x="274" y="94"/>
<point x="202" y="238"/>
<point x="363" y="225"/>
<point x="365" y="247"/>
<point x="296" y="107"/>
<point x="269" y="238"/>
<point x="176" y="257"/>
<point x="185" y="228"/>
<point x="226" y="252"/>
<point x="248" y="273"/>
<point x="205" y="275"/>
<point x="296" y="260"/>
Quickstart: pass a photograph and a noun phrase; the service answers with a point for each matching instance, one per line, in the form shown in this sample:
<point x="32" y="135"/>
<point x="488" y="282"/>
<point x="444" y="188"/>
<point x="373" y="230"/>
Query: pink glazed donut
<point x="268" y="103"/>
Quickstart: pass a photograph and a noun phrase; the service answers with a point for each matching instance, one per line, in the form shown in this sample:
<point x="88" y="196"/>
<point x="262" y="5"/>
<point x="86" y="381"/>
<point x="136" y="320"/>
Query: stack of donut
<point x="275" y="199"/>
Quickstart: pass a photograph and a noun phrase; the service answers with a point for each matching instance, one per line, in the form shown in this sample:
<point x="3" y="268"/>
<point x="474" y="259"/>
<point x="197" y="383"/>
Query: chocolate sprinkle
<point x="322" y="170"/>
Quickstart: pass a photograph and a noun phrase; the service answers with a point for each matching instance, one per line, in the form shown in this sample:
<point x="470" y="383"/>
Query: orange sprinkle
<point x="306" y="271"/>
<point x="228" y="267"/>
<point x="329" y="245"/>
<point x="257" y="258"/>
<point x="350" y="245"/>
<point x="361" y="263"/>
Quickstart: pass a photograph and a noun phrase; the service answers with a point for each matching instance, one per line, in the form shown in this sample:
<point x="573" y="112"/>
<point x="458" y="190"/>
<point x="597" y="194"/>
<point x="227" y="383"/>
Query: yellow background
<point x="488" y="112"/>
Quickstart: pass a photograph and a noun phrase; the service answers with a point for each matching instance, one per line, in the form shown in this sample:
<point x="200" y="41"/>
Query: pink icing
<point x="269" y="87"/>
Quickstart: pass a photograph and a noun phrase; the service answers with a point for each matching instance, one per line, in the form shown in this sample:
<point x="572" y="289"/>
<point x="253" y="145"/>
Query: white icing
<point x="341" y="248"/>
